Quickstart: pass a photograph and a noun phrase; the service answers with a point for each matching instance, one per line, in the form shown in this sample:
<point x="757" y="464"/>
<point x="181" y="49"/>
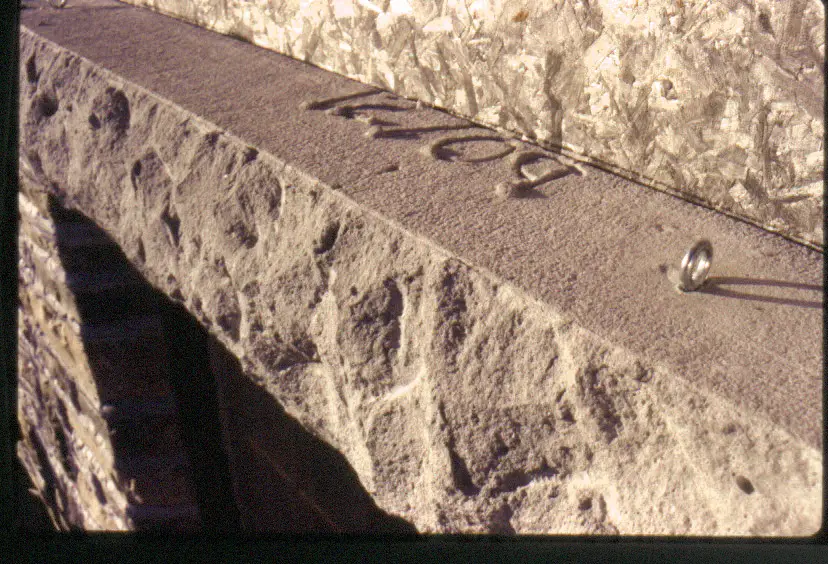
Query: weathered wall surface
<point x="462" y="404"/>
<point x="719" y="101"/>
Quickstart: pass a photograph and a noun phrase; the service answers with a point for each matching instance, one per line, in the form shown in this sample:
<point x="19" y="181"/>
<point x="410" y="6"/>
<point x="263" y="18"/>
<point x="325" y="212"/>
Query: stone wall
<point x="447" y="397"/>
<point x="99" y="420"/>
<point x="718" y="101"/>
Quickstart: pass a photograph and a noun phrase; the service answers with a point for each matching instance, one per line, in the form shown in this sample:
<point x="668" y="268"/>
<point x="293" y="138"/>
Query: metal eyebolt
<point x="695" y="266"/>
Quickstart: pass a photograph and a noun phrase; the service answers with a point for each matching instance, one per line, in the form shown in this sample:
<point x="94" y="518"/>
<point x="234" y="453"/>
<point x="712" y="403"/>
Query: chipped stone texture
<point x="718" y="101"/>
<point x="463" y="404"/>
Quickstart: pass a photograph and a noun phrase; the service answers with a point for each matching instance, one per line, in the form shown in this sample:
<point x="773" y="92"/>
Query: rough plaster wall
<point x="719" y="101"/>
<point x="462" y="404"/>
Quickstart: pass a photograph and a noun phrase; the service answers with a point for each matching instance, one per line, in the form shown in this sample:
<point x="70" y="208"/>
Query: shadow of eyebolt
<point x="718" y="286"/>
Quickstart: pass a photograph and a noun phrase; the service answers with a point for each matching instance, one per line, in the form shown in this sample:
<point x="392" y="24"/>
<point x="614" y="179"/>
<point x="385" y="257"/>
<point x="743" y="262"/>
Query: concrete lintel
<point x="489" y="332"/>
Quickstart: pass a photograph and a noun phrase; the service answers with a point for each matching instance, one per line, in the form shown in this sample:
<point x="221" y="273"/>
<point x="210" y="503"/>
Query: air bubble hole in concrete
<point x="744" y="484"/>
<point x="45" y="105"/>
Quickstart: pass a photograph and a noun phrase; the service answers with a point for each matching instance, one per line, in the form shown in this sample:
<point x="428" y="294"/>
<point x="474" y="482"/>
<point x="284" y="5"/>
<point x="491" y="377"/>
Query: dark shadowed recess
<point x="32" y="515"/>
<point x="9" y="55"/>
<point x="250" y="466"/>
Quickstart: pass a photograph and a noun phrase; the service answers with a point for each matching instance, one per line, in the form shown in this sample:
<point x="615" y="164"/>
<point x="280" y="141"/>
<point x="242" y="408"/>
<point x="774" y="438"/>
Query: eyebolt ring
<point x="695" y="266"/>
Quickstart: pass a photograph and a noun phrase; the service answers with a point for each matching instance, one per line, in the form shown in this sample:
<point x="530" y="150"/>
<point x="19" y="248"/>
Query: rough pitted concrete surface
<point x="464" y="401"/>
<point x="718" y="100"/>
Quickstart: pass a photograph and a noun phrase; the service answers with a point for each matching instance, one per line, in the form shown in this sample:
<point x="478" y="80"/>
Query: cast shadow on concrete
<point x="288" y="479"/>
<point x="532" y="194"/>
<point x="252" y="466"/>
<point x="716" y="286"/>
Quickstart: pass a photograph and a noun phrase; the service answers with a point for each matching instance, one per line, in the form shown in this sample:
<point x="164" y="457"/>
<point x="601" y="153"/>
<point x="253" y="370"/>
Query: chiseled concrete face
<point x="717" y="100"/>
